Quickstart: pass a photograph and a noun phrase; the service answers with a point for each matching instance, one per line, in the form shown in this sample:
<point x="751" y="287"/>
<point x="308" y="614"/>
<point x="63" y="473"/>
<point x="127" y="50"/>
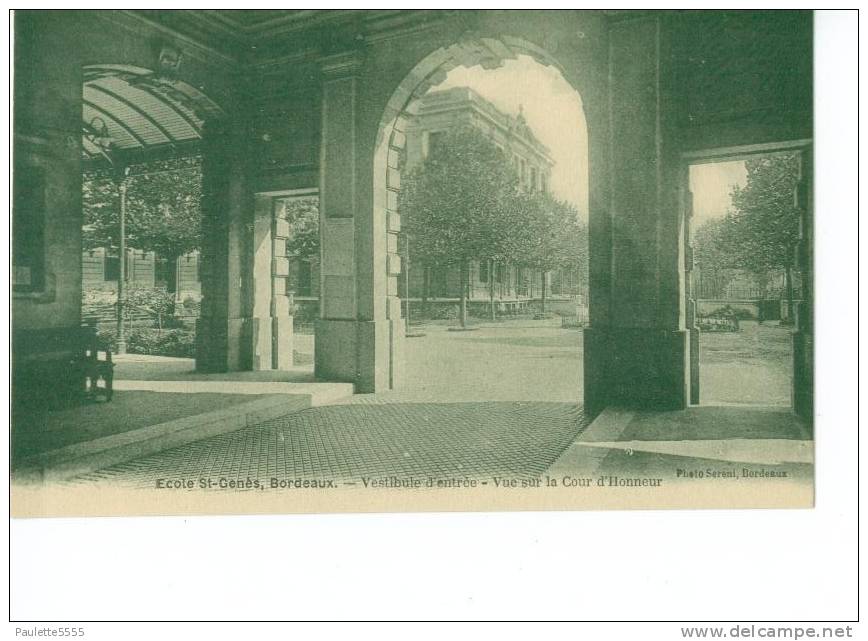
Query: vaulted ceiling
<point x="258" y="35"/>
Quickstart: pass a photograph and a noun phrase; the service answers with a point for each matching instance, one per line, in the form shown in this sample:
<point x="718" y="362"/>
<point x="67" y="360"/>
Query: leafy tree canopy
<point x="551" y="234"/>
<point x="763" y="226"/>
<point x="455" y="206"/>
<point x="163" y="211"/>
<point x="302" y="214"/>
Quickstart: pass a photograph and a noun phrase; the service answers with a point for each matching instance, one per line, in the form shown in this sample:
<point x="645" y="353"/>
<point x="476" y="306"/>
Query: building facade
<point x="100" y="270"/>
<point x="509" y="285"/>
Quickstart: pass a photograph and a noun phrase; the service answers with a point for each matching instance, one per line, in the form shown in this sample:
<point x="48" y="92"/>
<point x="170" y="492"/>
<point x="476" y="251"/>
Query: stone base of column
<point x="636" y="368"/>
<point x="694" y="337"/>
<point x="398" y="335"/>
<point x="267" y="343"/>
<point x="359" y="352"/>
<point x="257" y="340"/>
<point x="218" y="344"/>
<point x="282" y="342"/>
<point x="803" y="375"/>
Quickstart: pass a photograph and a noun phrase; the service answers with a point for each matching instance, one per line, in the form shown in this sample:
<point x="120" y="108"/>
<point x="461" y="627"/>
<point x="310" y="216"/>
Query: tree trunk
<point x="491" y="289"/>
<point x="764" y="285"/>
<point x="407" y="294"/>
<point x="789" y="286"/>
<point x="426" y="288"/>
<point x="462" y="310"/>
<point x="543" y="304"/>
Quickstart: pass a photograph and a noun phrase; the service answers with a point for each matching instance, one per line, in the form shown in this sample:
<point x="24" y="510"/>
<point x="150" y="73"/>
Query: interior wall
<point x="51" y="47"/>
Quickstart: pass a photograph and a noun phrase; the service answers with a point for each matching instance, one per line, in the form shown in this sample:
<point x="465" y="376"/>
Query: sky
<point x="711" y="184"/>
<point x="552" y="109"/>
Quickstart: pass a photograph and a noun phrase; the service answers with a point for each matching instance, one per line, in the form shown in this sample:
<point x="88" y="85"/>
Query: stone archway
<point x="360" y="333"/>
<point x="472" y="51"/>
<point x="635" y="351"/>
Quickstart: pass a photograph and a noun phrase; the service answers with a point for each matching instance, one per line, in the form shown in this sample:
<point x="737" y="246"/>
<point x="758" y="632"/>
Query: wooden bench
<point x="59" y="366"/>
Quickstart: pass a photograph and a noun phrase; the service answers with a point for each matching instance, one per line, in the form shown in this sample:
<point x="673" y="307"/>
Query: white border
<point x="633" y="565"/>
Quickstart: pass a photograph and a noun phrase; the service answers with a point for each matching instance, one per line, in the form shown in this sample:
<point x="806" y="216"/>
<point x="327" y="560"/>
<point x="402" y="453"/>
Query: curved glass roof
<point x="140" y="110"/>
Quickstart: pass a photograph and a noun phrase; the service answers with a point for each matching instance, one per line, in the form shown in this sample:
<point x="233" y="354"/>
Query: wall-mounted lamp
<point x="98" y="134"/>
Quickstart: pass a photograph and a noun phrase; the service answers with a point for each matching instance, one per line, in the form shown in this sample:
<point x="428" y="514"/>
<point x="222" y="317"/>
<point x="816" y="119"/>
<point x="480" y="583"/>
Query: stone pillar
<point x="280" y="309"/>
<point x="223" y="331"/>
<point x="359" y="322"/>
<point x="803" y="335"/>
<point x="636" y="350"/>
<point x="260" y="332"/>
<point x="270" y="323"/>
<point x="690" y="310"/>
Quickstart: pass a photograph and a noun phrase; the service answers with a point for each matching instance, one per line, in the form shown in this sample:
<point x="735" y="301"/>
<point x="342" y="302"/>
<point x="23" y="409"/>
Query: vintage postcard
<point x="283" y="261"/>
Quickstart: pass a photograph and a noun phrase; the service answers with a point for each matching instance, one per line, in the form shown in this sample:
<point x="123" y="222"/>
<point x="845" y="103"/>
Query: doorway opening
<point x="142" y="211"/>
<point x="286" y="276"/>
<point x="747" y="283"/>
<point x="486" y="163"/>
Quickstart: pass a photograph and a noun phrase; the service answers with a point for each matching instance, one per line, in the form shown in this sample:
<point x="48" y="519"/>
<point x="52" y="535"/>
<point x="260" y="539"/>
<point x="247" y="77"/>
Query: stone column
<point x="259" y="332"/>
<point x="636" y="350"/>
<point x="690" y="300"/>
<point x="803" y="335"/>
<point x="222" y="331"/>
<point x="280" y="309"/>
<point x="358" y="327"/>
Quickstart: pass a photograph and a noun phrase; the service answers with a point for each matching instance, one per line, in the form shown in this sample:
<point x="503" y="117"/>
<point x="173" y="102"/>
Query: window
<point x="165" y="273"/>
<point x="483" y="271"/>
<point x="522" y="282"/>
<point x="533" y="178"/>
<point x="435" y="140"/>
<point x="304" y="278"/>
<point x="439" y="283"/>
<point x="112" y="270"/>
<point x="499" y="271"/>
<point x="544" y="182"/>
<point x="192" y="264"/>
<point x="28" y="230"/>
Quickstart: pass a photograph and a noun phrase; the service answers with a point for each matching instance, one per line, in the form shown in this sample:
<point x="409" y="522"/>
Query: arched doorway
<point x="401" y="142"/>
<point x="360" y="333"/>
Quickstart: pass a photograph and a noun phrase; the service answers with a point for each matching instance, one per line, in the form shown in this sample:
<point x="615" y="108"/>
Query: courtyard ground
<point x="750" y="367"/>
<point x="504" y="398"/>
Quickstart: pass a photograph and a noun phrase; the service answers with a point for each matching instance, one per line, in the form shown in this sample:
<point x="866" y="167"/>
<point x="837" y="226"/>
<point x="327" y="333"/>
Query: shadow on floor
<point x="35" y="431"/>
<point x="716" y="422"/>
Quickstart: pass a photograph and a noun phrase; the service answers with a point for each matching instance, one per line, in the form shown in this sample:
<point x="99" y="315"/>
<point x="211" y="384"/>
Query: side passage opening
<point x="746" y="282"/>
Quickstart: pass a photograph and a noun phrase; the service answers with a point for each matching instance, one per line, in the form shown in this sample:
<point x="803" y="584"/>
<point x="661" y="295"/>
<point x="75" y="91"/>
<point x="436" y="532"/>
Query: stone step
<point x="88" y="456"/>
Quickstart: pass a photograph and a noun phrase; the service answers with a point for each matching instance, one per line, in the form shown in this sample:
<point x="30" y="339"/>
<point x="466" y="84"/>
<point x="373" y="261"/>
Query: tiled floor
<point x="502" y="400"/>
<point x="348" y="442"/>
<point x="494" y="401"/>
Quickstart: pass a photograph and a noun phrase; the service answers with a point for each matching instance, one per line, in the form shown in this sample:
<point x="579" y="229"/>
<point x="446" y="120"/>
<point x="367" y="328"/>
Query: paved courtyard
<point x="498" y="400"/>
<point x="503" y="399"/>
<point x="750" y="367"/>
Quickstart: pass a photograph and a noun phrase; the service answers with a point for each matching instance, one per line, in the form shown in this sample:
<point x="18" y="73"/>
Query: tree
<point x="456" y="205"/>
<point x="764" y="221"/>
<point x="302" y="214"/>
<point x="552" y="237"/>
<point x="164" y="212"/>
<point x="716" y="259"/>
